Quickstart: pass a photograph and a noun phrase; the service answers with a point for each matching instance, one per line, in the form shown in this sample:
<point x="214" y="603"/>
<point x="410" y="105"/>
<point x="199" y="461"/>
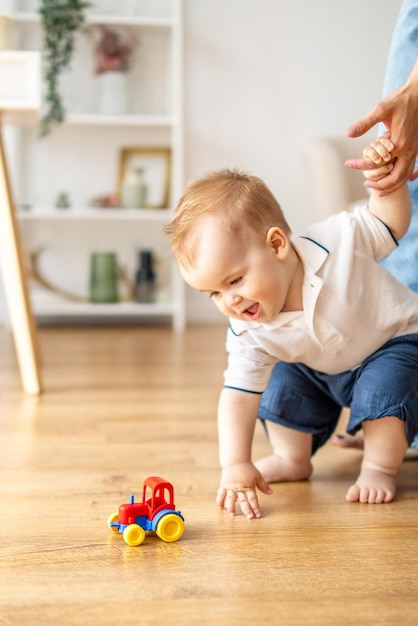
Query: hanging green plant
<point x="60" y="21"/>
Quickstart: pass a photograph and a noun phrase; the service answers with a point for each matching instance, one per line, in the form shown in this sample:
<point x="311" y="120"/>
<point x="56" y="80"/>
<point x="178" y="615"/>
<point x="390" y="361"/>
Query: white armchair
<point x="335" y="187"/>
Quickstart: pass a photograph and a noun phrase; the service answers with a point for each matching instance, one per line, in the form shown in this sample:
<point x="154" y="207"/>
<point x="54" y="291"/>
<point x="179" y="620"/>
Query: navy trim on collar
<point x="313" y="241"/>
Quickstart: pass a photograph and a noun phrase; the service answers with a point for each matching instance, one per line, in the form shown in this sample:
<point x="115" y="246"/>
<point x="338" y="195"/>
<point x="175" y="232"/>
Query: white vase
<point x="112" y="93"/>
<point x="134" y="190"/>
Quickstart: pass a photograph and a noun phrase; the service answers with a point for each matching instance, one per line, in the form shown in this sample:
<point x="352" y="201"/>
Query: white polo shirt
<point x="351" y="306"/>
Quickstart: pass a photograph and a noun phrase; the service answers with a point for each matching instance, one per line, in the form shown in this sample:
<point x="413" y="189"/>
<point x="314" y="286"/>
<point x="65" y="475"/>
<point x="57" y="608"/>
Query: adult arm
<point x="237" y="415"/>
<point x="399" y="112"/>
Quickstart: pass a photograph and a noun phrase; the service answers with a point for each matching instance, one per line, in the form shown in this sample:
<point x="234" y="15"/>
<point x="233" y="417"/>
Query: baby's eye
<point x="214" y="294"/>
<point x="236" y="281"/>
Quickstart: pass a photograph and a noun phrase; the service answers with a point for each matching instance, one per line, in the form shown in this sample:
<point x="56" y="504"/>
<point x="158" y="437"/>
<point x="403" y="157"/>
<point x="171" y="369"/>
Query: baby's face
<point x="249" y="280"/>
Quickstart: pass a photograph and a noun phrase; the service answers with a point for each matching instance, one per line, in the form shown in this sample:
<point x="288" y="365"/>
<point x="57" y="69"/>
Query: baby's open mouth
<point x="253" y="311"/>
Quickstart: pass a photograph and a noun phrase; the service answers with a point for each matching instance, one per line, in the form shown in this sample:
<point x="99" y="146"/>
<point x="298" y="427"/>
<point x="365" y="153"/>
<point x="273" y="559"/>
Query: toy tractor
<point x="155" y="513"/>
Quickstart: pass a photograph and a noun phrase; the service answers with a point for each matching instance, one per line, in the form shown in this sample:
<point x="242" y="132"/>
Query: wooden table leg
<point x="16" y="286"/>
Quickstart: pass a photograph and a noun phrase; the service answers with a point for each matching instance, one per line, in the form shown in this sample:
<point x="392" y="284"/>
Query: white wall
<point x="264" y="77"/>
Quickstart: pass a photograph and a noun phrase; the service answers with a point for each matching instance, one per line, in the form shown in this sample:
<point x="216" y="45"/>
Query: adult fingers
<point x="414" y="175"/>
<point x="378" y="114"/>
<point x="359" y="164"/>
<point x="357" y="129"/>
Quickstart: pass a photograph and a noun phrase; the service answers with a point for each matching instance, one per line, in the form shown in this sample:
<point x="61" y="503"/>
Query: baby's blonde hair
<point x="243" y="204"/>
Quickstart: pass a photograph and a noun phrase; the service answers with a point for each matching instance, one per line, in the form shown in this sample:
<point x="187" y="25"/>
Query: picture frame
<point x="156" y="165"/>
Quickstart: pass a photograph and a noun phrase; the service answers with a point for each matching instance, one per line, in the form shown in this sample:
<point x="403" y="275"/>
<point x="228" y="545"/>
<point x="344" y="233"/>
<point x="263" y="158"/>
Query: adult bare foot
<point x="275" y="469"/>
<point x="372" y="487"/>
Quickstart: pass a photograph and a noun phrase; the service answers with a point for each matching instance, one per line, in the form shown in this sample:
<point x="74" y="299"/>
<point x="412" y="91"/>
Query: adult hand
<point x="238" y="484"/>
<point x="399" y="112"/>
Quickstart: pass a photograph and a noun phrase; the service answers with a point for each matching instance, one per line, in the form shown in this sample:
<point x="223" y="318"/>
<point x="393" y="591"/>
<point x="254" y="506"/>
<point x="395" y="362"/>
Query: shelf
<point x="46" y="304"/>
<point x="120" y="120"/>
<point x="40" y="213"/>
<point x="115" y="20"/>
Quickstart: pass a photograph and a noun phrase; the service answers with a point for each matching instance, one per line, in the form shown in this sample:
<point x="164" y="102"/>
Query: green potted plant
<point x="60" y="20"/>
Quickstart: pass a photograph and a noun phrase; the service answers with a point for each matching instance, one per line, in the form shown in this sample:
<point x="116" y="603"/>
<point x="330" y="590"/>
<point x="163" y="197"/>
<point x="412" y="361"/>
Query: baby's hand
<point x="379" y="153"/>
<point x="238" y="485"/>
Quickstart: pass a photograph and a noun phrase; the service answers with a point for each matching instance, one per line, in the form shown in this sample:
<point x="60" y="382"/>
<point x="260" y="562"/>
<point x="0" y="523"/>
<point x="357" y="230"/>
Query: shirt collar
<point x="312" y="253"/>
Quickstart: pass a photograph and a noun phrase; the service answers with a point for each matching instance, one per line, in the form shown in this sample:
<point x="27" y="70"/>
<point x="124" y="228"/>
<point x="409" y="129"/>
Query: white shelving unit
<point x="81" y="158"/>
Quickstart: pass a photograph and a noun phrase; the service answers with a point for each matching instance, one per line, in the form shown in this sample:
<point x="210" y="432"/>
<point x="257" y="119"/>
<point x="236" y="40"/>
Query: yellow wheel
<point x="113" y="518"/>
<point x="133" y="535"/>
<point x="170" y="527"/>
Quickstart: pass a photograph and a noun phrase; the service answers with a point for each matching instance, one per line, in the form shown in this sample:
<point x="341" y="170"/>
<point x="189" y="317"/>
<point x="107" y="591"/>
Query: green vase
<point x="103" y="277"/>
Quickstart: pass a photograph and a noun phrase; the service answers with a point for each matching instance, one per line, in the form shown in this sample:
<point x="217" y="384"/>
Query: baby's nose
<point x="234" y="299"/>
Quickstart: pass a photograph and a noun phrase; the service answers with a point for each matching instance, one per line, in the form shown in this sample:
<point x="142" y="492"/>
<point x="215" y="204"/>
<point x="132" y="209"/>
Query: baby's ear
<point x="277" y="239"/>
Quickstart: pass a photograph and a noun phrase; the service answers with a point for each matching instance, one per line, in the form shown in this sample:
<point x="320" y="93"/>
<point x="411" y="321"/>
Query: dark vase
<point x="145" y="279"/>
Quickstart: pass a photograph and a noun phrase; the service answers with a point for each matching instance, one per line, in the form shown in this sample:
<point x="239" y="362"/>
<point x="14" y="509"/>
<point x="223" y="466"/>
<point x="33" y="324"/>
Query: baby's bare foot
<point x="276" y="469"/>
<point x="348" y="441"/>
<point x="372" y="487"/>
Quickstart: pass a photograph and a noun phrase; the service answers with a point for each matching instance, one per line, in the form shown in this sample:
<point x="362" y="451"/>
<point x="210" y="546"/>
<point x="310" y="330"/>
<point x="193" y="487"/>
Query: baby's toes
<point x="380" y="496"/>
<point x="365" y="494"/>
<point x="353" y="494"/>
<point x="388" y="496"/>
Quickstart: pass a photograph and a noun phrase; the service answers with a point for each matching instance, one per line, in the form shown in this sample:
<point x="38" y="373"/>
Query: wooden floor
<point x="123" y="404"/>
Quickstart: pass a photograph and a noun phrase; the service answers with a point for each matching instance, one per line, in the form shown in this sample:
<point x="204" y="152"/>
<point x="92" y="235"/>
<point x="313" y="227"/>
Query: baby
<point x="316" y="324"/>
